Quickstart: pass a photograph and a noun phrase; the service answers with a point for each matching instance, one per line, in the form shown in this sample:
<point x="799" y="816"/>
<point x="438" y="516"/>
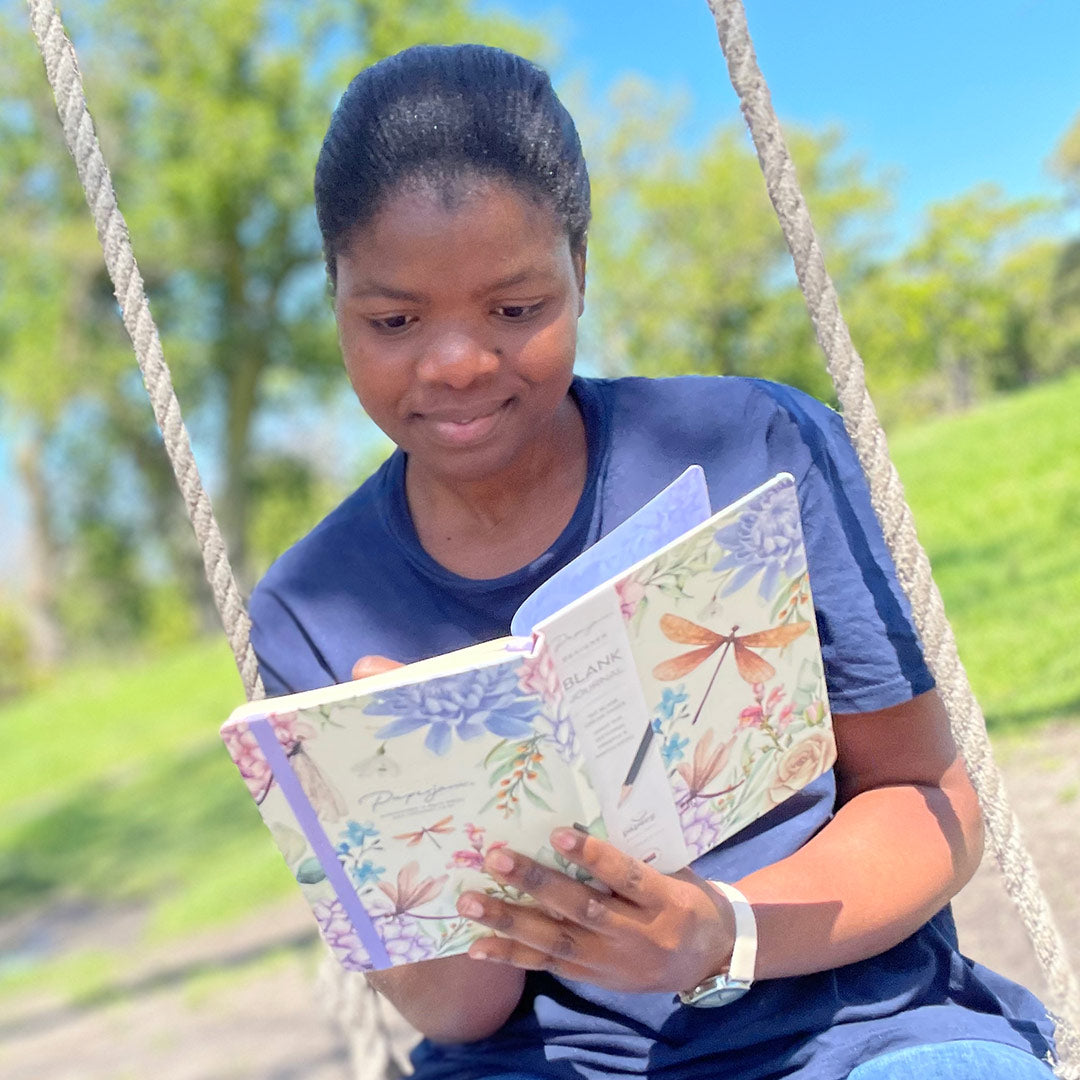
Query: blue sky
<point x="943" y="95"/>
<point x="940" y="95"/>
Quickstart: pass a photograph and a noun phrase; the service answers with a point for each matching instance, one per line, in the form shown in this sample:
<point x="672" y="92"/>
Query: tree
<point x="1065" y="288"/>
<point x="210" y="113"/>
<point x="690" y="264"/>
<point x="954" y="316"/>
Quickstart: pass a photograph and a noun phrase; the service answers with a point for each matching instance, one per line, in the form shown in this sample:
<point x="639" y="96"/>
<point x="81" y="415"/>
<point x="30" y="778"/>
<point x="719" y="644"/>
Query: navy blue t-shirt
<point x="360" y="583"/>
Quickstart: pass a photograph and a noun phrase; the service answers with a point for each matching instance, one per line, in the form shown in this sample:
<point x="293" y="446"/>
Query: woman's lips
<point x="468" y="426"/>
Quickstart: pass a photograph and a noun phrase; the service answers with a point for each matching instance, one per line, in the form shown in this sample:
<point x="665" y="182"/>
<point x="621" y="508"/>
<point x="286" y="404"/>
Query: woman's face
<point x="458" y="324"/>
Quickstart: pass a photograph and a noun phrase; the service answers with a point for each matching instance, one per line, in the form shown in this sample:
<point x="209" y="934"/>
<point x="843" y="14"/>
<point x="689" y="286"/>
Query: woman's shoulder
<point x="356" y="528"/>
<point x="732" y="398"/>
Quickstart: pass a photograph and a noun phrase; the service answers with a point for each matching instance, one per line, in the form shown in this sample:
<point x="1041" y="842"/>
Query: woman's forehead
<point x="491" y="231"/>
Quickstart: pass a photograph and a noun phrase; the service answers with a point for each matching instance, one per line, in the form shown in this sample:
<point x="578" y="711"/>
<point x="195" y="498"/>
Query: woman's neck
<point x="492" y="526"/>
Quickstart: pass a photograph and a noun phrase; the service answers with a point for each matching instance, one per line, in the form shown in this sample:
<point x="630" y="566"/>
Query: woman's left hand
<point x="655" y="932"/>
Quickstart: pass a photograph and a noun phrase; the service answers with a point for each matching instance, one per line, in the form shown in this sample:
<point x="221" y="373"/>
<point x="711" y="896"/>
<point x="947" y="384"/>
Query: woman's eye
<point x="391" y="322"/>
<point x="517" y="311"/>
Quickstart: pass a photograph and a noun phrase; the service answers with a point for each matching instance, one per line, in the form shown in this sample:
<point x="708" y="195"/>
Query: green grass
<point x="115" y="787"/>
<point x="996" y="497"/>
<point x="118" y="789"/>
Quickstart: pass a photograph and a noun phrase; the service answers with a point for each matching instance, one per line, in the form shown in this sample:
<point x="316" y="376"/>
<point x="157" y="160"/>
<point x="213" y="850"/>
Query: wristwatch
<point x="726" y="988"/>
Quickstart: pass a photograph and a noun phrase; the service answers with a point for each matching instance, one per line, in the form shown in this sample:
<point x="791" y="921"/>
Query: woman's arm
<point x="453" y="999"/>
<point x="906" y="838"/>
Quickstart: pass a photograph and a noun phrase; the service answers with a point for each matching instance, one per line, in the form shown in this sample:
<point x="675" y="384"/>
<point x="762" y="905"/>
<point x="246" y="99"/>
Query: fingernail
<point x="478" y="953"/>
<point x="500" y="862"/>
<point x="470" y="907"/>
<point x="564" y="839"/>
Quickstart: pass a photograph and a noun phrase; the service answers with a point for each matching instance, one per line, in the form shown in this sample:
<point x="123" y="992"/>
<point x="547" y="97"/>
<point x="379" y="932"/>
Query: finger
<point x="373" y="665"/>
<point x="556" y="892"/>
<point x="506" y="951"/>
<point x="529" y="926"/>
<point x="625" y="876"/>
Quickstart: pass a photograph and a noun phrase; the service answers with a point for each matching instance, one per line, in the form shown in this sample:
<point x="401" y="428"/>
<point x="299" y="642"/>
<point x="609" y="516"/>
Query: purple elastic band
<point x="312" y="828"/>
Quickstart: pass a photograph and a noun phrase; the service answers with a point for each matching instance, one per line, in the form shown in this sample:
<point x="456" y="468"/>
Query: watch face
<point x="722" y="995"/>
<point x="722" y="992"/>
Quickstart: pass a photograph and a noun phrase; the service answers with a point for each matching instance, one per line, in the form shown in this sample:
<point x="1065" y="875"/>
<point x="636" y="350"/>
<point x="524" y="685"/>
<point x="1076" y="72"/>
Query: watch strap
<point x="744" y="952"/>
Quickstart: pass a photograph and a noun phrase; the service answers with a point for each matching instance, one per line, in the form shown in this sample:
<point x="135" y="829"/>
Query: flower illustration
<point x="699" y="819"/>
<point x="410" y="892"/>
<point x="766" y="540"/>
<point x="406" y="940"/>
<point x="804" y="761"/>
<point x="630" y="592"/>
<point x="672" y="749"/>
<point x="472" y="858"/>
<point x="244" y="749"/>
<point x="564" y="737"/>
<point x="366" y="873"/>
<point x="466" y="704"/>
<point x="339" y="933"/>
<point x="378" y="764"/>
<point x="357" y="834"/>
<point x="670" y="699"/>
<point x="538" y="676"/>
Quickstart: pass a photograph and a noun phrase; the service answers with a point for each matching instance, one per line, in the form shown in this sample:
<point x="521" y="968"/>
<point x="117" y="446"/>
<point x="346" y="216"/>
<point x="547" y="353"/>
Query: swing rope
<point x="846" y="369"/>
<point x="62" y="70"/>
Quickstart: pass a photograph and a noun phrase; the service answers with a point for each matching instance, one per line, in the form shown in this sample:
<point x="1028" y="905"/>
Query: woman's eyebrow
<point x="532" y="275"/>
<point x="373" y="289"/>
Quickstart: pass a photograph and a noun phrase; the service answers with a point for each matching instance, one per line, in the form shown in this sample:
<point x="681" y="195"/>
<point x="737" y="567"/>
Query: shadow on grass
<point x="129" y="836"/>
<point x="1004" y="721"/>
<point x="163" y="978"/>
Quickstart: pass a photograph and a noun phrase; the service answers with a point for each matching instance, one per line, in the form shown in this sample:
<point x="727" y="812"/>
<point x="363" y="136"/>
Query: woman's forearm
<point x="890" y="859"/>
<point x="454" y="999"/>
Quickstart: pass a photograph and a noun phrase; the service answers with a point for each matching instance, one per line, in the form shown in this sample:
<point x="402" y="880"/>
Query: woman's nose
<point x="458" y="359"/>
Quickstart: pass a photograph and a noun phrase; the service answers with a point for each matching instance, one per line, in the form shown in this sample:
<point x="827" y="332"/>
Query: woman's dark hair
<point x="436" y="113"/>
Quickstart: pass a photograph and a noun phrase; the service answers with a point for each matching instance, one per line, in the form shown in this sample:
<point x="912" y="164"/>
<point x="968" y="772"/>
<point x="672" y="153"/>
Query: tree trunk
<point x="42" y="556"/>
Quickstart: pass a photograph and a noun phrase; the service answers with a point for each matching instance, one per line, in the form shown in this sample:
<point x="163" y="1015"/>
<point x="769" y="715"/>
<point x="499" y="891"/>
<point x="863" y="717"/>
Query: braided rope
<point x="913" y="567"/>
<point x="62" y="69"/>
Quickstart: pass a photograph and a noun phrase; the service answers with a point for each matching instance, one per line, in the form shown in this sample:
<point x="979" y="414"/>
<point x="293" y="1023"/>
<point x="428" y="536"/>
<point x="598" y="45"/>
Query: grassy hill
<point x="996" y="497"/>
<point x="115" y="787"/>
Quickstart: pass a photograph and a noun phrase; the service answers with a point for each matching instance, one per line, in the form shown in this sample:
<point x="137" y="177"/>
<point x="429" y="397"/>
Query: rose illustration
<point x="630" y="593"/>
<point x="804" y="761"/>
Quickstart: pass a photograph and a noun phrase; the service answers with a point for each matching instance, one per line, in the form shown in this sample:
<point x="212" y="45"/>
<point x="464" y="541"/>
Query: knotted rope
<point x="845" y="367"/>
<point x="62" y="69"/>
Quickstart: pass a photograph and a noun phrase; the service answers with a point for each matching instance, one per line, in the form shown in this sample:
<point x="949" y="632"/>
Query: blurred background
<point x="939" y="150"/>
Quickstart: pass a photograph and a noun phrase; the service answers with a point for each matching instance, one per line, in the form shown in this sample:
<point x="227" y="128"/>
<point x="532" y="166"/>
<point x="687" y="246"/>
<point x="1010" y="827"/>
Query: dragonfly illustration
<point x="752" y="667"/>
<point x="414" y="838"/>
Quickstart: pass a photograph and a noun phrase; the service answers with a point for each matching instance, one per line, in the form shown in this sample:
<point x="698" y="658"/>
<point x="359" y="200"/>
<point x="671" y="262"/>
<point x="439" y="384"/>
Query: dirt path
<point x="240" y="1007"/>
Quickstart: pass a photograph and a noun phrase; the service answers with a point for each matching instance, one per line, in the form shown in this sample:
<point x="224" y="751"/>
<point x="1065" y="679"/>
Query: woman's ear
<point x="579" y="273"/>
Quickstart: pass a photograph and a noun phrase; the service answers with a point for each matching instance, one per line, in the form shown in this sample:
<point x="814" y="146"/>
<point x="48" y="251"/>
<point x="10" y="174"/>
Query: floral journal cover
<point x="666" y="708"/>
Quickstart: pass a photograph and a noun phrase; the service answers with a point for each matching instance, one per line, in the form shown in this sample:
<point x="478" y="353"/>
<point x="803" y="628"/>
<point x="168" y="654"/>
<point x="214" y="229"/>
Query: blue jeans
<point x="965" y="1059"/>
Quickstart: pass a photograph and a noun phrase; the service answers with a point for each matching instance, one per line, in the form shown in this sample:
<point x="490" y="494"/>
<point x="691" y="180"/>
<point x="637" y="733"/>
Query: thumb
<point x="373" y="665"/>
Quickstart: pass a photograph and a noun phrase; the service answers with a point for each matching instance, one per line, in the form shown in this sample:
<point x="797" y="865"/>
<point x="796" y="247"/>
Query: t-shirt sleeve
<point x="872" y="654"/>
<point x="289" y="660"/>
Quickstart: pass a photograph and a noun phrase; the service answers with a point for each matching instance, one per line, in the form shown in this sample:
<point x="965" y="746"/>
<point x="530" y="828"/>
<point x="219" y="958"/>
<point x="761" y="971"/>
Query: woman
<point x="454" y="205"/>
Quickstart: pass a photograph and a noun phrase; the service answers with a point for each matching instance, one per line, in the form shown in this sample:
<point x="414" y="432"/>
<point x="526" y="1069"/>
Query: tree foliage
<point x="210" y="114"/>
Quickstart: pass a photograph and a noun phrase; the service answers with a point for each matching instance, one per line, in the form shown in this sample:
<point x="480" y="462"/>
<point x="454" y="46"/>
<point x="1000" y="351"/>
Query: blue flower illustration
<point x="367" y="871"/>
<point x="670" y="699"/>
<point x="355" y="834"/>
<point x="766" y="540"/>
<point x="466" y="704"/>
<point x="672" y="750"/>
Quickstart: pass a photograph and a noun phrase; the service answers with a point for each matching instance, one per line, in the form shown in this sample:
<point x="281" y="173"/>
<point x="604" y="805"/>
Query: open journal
<point x="663" y="690"/>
